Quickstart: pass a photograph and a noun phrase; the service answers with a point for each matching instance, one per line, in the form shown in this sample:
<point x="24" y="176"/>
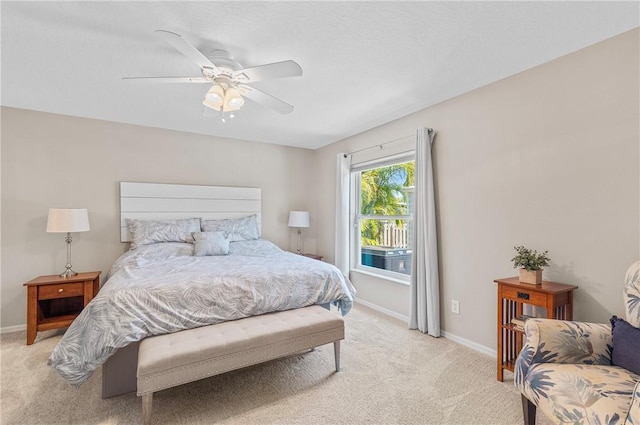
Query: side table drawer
<point x="521" y="295"/>
<point x="63" y="290"/>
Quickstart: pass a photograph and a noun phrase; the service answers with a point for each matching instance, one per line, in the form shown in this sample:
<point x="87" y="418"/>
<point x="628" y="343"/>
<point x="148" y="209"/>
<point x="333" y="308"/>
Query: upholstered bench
<point x="165" y="361"/>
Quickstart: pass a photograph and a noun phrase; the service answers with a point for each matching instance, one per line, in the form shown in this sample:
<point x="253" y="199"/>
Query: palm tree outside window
<point x="384" y="217"/>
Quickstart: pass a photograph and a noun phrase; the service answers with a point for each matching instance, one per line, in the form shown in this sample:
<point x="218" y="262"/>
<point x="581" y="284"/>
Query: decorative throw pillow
<point x="626" y="345"/>
<point x="210" y="243"/>
<point x="145" y="232"/>
<point x="238" y="229"/>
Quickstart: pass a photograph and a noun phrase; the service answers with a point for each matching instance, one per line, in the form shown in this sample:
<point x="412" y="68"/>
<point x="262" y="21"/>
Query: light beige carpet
<point x="390" y="375"/>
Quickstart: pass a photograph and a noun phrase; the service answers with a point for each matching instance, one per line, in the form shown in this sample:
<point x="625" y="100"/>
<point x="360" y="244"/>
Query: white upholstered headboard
<point x="149" y="201"/>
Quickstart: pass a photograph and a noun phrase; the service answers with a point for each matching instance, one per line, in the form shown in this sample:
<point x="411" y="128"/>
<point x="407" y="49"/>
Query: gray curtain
<point x="424" y="311"/>
<point x="343" y="171"/>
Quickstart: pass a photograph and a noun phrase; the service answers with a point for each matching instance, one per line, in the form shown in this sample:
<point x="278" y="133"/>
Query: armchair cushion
<point x="626" y="345"/>
<point x="581" y="394"/>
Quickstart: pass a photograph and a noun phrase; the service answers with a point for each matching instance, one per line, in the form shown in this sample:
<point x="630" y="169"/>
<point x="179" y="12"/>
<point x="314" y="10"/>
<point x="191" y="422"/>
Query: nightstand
<point x="314" y="256"/>
<point x="556" y="298"/>
<point x="54" y="302"/>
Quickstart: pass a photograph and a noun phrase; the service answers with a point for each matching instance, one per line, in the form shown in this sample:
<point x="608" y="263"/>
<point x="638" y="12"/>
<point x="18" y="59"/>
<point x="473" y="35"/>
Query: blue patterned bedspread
<point x="162" y="288"/>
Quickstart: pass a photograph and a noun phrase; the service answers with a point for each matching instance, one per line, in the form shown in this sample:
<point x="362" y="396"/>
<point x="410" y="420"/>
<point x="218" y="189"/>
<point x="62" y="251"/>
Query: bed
<point x="163" y="286"/>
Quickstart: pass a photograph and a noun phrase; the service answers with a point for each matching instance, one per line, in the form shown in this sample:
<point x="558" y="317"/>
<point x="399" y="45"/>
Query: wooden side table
<point x="54" y="302"/>
<point x="314" y="256"/>
<point x="557" y="298"/>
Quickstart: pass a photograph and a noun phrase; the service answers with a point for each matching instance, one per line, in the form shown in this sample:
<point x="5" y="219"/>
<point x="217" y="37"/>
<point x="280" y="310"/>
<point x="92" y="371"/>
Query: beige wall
<point x="60" y="161"/>
<point x="549" y="159"/>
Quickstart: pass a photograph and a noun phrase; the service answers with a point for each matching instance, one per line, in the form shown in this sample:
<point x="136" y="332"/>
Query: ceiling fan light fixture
<point x="214" y="98"/>
<point x="210" y="105"/>
<point x="233" y="99"/>
<point x="221" y="97"/>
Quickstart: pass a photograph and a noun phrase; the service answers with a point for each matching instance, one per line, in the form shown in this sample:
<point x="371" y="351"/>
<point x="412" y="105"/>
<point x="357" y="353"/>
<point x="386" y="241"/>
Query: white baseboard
<point x="9" y="329"/>
<point x="383" y="310"/>
<point x="467" y="343"/>
<point x="455" y="338"/>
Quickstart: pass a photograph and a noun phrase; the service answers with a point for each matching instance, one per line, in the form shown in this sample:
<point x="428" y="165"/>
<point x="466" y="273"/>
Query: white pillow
<point x="210" y="243"/>
<point x="238" y="229"/>
<point x="145" y="232"/>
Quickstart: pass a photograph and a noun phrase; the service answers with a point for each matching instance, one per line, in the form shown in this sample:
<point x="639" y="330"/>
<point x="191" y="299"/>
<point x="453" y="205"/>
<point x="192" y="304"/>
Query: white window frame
<point x="355" y="216"/>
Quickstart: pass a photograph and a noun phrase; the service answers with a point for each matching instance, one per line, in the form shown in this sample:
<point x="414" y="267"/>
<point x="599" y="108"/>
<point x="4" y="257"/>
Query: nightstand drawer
<point x="522" y="295"/>
<point x="62" y="290"/>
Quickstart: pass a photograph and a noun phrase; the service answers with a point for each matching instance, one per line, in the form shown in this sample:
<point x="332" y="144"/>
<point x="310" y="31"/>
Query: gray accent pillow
<point x="238" y="229"/>
<point x="626" y="345"/>
<point x="210" y="243"/>
<point x="146" y="232"/>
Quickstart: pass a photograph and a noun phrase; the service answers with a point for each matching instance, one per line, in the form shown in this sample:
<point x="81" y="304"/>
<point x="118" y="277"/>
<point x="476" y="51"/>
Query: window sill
<point x="380" y="276"/>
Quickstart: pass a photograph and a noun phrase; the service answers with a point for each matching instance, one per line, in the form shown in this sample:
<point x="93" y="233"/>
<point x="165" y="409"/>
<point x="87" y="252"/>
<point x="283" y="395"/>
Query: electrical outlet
<point x="455" y="306"/>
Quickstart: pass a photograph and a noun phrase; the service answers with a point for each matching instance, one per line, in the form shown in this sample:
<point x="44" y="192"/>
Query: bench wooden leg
<point x="336" y="352"/>
<point x="528" y="411"/>
<point x="147" y="405"/>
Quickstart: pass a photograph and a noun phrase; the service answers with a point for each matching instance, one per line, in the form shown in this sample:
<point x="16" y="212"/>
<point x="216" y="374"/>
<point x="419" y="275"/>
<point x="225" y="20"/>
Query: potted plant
<point x="530" y="263"/>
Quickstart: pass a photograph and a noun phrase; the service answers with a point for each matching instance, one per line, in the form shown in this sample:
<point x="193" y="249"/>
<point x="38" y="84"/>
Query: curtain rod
<point x="380" y="145"/>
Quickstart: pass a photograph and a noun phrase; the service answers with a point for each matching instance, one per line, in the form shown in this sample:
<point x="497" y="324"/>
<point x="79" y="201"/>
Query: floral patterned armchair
<point x="565" y="369"/>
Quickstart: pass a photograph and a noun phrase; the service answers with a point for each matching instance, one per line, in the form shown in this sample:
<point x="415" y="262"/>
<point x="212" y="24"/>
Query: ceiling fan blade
<point x="169" y="79"/>
<point x="187" y="49"/>
<point x="266" y="99"/>
<point x="267" y="72"/>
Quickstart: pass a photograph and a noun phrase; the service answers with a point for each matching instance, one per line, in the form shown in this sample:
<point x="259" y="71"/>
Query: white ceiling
<point x="365" y="63"/>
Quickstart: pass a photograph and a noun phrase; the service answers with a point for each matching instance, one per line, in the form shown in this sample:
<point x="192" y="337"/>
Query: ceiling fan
<point x="230" y="83"/>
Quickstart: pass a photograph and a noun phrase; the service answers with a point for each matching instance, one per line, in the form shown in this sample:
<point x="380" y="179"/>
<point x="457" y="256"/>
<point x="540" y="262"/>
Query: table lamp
<point x="68" y="220"/>
<point x="299" y="219"/>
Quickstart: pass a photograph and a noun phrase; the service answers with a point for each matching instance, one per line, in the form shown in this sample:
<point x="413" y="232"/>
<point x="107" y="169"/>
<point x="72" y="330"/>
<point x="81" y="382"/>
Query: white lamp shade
<point x="214" y="98"/>
<point x="233" y="100"/>
<point x="63" y="220"/>
<point x="223" y="97"/>
<point x="298" y="219"/>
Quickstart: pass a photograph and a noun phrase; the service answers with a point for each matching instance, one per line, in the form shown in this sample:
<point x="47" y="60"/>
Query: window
<point x="383" y="199"/>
